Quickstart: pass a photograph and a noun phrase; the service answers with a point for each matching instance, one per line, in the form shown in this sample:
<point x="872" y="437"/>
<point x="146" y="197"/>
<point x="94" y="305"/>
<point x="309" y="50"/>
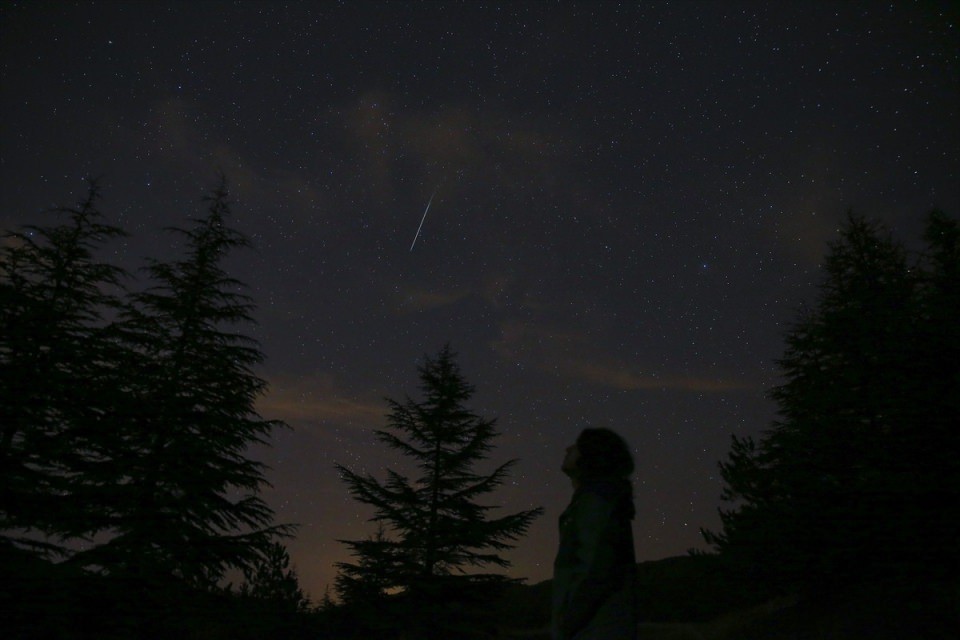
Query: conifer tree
<point x="838" y="489"/>
<point x="366" y="583"/>
<point x="187" y="494"/>
<point x="57" y="376"/>
<point x="434" y="530"/>
<point x="934" y="391"/>
<point x="274" y="581"/>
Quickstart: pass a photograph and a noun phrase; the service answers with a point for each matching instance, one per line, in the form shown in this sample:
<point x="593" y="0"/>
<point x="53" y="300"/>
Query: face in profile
<point x="570" y="460"/>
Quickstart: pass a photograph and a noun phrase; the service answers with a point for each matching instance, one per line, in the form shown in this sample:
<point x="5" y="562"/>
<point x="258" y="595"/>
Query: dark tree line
<point x="127" y="413"/>
<point x="127" y="406"/>
<point x="858" y="479"/>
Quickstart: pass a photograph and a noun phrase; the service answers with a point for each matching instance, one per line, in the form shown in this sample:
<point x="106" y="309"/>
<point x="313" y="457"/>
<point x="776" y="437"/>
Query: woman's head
<point x="602" y="453"/>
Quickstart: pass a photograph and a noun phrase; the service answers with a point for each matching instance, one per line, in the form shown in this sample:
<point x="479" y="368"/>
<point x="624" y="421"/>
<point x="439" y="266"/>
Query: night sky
<point x="631" y="203"/>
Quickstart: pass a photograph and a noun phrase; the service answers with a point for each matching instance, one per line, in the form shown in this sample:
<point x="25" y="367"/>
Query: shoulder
<point x="615" y="494"/>
<point x="606" y="489"/>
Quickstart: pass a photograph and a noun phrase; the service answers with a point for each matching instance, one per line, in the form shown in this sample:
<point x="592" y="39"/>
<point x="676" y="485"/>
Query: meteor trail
<point x="423" y="218"/>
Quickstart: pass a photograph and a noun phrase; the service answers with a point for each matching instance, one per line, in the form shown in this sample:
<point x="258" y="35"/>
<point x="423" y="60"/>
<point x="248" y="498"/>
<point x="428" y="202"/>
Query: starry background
<point x="631" y="203"/>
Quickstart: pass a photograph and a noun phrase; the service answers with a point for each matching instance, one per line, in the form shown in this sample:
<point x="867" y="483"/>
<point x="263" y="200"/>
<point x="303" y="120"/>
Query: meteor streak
<point x="423" y="218"/>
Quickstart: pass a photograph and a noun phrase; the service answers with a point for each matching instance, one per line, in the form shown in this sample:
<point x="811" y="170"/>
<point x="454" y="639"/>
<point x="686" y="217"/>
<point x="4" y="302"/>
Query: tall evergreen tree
<point x="187" y="501"/>
<point x="934" y="389"/>
<point x="837" y="490"/>
<point x="56" y="374"/>
<point x="434" y="530"/>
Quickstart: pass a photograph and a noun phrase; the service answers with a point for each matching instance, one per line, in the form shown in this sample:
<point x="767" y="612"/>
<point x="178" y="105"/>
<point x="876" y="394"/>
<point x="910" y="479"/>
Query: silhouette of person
<point x="595" y="568"/>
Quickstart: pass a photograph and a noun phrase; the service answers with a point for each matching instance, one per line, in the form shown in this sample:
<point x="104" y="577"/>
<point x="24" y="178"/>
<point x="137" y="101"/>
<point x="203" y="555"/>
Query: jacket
<point x="595" y="568"/>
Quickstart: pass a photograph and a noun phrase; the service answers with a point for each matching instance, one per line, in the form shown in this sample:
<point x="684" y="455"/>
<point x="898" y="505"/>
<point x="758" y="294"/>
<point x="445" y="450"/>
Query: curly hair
<point x="603" y="454"/>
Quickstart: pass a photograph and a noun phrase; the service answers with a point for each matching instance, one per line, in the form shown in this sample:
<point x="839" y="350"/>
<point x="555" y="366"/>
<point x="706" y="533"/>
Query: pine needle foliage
<point x="126" y="417"/>
<point x="189" y="502"/>
<point x="57" y="303"/>
<point x="857" y="478"/>
<point x="436" y="538"/>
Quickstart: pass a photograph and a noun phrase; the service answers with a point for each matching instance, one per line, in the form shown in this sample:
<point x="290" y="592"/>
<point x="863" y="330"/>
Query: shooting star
<point x="424" y="217"/>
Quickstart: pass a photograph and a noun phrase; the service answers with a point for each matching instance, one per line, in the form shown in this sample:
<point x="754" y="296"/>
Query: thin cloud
<point x="318" y="399"/>
<point x="421" y="299"/>
<point x="493" y="147"/>
<point x="622" y="378"/>
<point x="566" y="354"/>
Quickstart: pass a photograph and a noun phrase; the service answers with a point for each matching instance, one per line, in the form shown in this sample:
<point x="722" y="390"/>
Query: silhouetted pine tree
<point x="187" y="503"/>
<point x="57" y="375"/>
<point x="275" y="582"/>
<point x="837" y="490"/>
<point x="434" y="528"/>
<point x="365" y="585"/>
<point x="931" y="438"/>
